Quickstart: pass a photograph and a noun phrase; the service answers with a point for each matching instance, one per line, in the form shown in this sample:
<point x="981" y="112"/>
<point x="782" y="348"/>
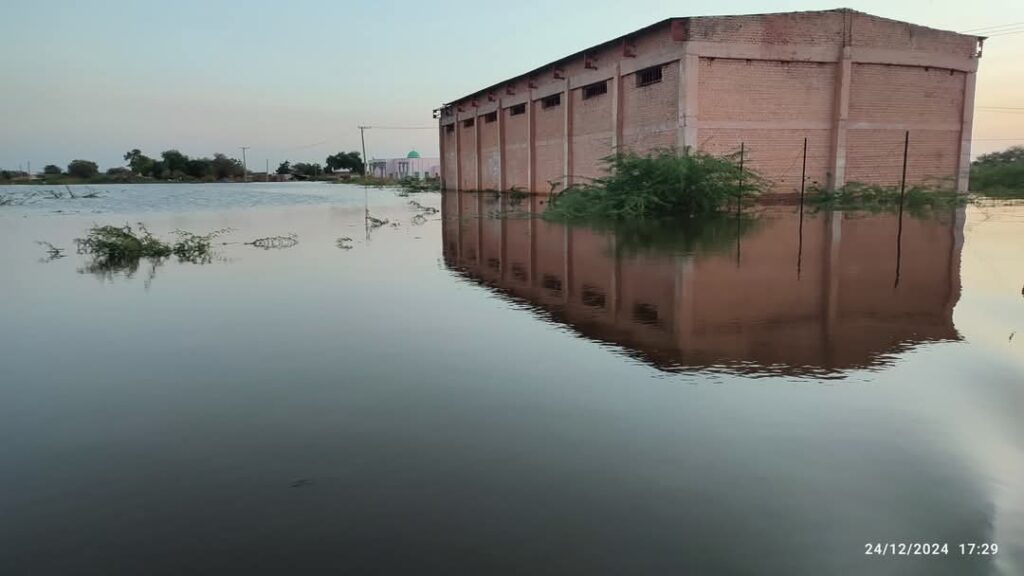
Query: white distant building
<point x="412" y="166"/>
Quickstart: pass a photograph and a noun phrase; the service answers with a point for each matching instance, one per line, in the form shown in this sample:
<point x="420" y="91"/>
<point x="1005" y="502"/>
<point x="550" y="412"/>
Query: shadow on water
<point x="776" y="293"/>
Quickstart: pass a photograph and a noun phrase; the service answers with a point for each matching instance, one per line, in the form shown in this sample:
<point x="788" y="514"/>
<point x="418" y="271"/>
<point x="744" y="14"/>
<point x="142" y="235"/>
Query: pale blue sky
<point x="293" y="80"/>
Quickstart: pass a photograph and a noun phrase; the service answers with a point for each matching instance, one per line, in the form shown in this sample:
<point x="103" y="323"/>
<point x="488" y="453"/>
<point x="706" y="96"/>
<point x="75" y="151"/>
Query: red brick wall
<point x="885" y="101"/>
<point x="549" y="126"/>
<point x="592" y="133"/>
<point x="490" y="160"/>
<point x="516" y="150"/>
<point x="467" y="157"/>
<point x="450" y="157"/>
<point x="820" y="28"/>
<point x="650" y="113"/>
<point x="871" y="31"/>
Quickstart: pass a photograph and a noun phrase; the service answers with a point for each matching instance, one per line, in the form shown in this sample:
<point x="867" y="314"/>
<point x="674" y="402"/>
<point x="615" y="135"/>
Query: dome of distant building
<point x="413" y="154"/>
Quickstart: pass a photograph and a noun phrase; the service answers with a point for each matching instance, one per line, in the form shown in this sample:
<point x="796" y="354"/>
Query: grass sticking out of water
<point x="875" y="198"/>
<point x="662" y="184"/>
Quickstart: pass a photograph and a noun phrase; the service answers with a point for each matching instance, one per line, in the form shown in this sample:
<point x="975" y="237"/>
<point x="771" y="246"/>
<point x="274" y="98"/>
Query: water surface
<point x="479" y="391"/>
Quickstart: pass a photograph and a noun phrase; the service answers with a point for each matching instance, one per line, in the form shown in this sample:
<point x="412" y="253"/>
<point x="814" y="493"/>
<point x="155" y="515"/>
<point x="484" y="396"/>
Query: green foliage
<point x="284" y="168"/>
<point x="174" y="162"/>
<point x="115" y="248"/>
<point x="223" y="167"/>
<point x="663" y="184"/>
<point x="876" y="198"/>
<point x="346" y="160"/>
<point x="999" y="174"/>
<point x="52" y="170"/>
<point x="139" y="163"/>
<point x="304" y="170"/>
<point x="82" y="169"/>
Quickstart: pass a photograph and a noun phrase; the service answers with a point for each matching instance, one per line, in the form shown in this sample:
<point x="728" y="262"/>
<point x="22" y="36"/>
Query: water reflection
<point x="783" y="293"/>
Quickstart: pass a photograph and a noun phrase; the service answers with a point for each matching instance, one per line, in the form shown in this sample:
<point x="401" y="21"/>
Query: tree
<point x="224" y="167"/>
<point x="82" y="169"/>
<point x="284" y="168"/>
<point x="139" y="163"/>
<point x="306" y="170"/>
<point x="174" y="162"/>
<point x="199" y="168"/>
<point x="119" y="173"/>
<point x="346" y="160"/>
<point x="52" y="170"/>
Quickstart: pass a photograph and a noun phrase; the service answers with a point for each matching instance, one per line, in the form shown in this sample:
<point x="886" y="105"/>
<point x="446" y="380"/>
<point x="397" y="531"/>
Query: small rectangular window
<point x="648" y="76"/>
<point x="517" y="110"/>
<point x="551" y="101"/>
<point x="490" y="117"/>
<point x="467" y="123"/>
<point x="595" y="89"/>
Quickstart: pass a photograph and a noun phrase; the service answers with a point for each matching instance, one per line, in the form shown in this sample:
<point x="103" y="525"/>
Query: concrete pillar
<point x="531" y="145"/>
<point x="476" y="146"/>
<point x="501" y="148"/>
<point x="837" y="168"/>
<point x="440" y="146"/>
<point x="567" y="136"/>
<point x="688" y="106"/>
<point x="963" y="172"/>
<point x="458" y="156"/>
<point x="617" y="108"/>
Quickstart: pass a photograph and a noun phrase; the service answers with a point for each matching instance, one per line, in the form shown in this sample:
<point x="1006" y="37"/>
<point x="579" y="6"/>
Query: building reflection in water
<point x="816" y="294"/>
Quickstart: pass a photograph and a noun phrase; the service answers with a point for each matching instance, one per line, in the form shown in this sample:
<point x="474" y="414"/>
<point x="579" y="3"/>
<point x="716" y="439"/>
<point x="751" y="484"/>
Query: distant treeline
<point x="172" y="165"/>
<point x="999" y="173"/>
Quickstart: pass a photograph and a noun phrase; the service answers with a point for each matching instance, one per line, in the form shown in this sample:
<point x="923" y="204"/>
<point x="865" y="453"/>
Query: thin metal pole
<point x="266" y="174"/>
<point x="800" y="240"/>
<point x="245" y="170"/>
<point x="362" y="139"/>
<point x="803" y="176"/>
<point x="899" y="230"/>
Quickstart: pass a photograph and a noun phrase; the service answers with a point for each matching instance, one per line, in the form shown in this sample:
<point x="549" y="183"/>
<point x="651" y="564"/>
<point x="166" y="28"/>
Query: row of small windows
<point x="644" y="77"/>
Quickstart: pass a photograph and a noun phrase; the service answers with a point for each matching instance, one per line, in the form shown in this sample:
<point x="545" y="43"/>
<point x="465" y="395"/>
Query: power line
<point x="988" y="28"/>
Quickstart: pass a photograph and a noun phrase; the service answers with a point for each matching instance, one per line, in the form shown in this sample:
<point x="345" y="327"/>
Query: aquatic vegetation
<point x="876" y="198"/>
<point x="52" y="252"/>
<point x="423" y="209"/>
<point x="275" y="242"/>
<point x="374" y="222"/>
<point x="120" y="248"/>
<point x="662" y="184"/>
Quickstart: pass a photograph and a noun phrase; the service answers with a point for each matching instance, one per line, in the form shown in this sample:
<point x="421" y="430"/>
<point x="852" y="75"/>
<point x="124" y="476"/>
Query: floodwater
<point x="481" y="392"/>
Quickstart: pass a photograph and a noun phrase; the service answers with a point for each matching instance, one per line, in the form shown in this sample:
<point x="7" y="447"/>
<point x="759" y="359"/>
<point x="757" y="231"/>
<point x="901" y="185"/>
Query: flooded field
<point x="479" y="391"/>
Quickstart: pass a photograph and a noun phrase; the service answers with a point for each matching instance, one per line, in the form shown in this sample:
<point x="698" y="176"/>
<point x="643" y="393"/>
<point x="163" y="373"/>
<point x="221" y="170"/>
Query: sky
<point x="293" y="81"/>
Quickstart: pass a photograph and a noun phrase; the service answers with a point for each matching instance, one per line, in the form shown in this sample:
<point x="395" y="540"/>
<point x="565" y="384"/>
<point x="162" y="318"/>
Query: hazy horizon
<point x="91" y="82"/>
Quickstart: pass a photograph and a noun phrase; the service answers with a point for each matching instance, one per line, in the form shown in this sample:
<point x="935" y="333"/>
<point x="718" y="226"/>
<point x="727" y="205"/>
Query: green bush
<point x="663" y="184"/>
<point x="999" y="174"/>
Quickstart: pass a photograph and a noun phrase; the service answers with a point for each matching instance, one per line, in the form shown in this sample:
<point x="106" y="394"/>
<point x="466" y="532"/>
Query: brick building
<point x="852" y="84"/>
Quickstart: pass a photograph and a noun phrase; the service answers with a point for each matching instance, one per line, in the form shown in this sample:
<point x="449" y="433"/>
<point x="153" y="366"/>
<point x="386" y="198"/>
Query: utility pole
<point x="362" y="138"/>
<point x="245" y="171"/>
<point x="266" y="174"/>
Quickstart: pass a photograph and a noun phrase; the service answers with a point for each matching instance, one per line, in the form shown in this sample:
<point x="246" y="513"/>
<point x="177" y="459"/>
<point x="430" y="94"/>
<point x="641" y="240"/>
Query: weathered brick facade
<point x="852" y="84"/>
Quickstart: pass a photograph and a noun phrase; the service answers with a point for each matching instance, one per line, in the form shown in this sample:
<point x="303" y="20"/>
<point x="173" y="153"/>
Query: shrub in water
<point x="662" y="184"/>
